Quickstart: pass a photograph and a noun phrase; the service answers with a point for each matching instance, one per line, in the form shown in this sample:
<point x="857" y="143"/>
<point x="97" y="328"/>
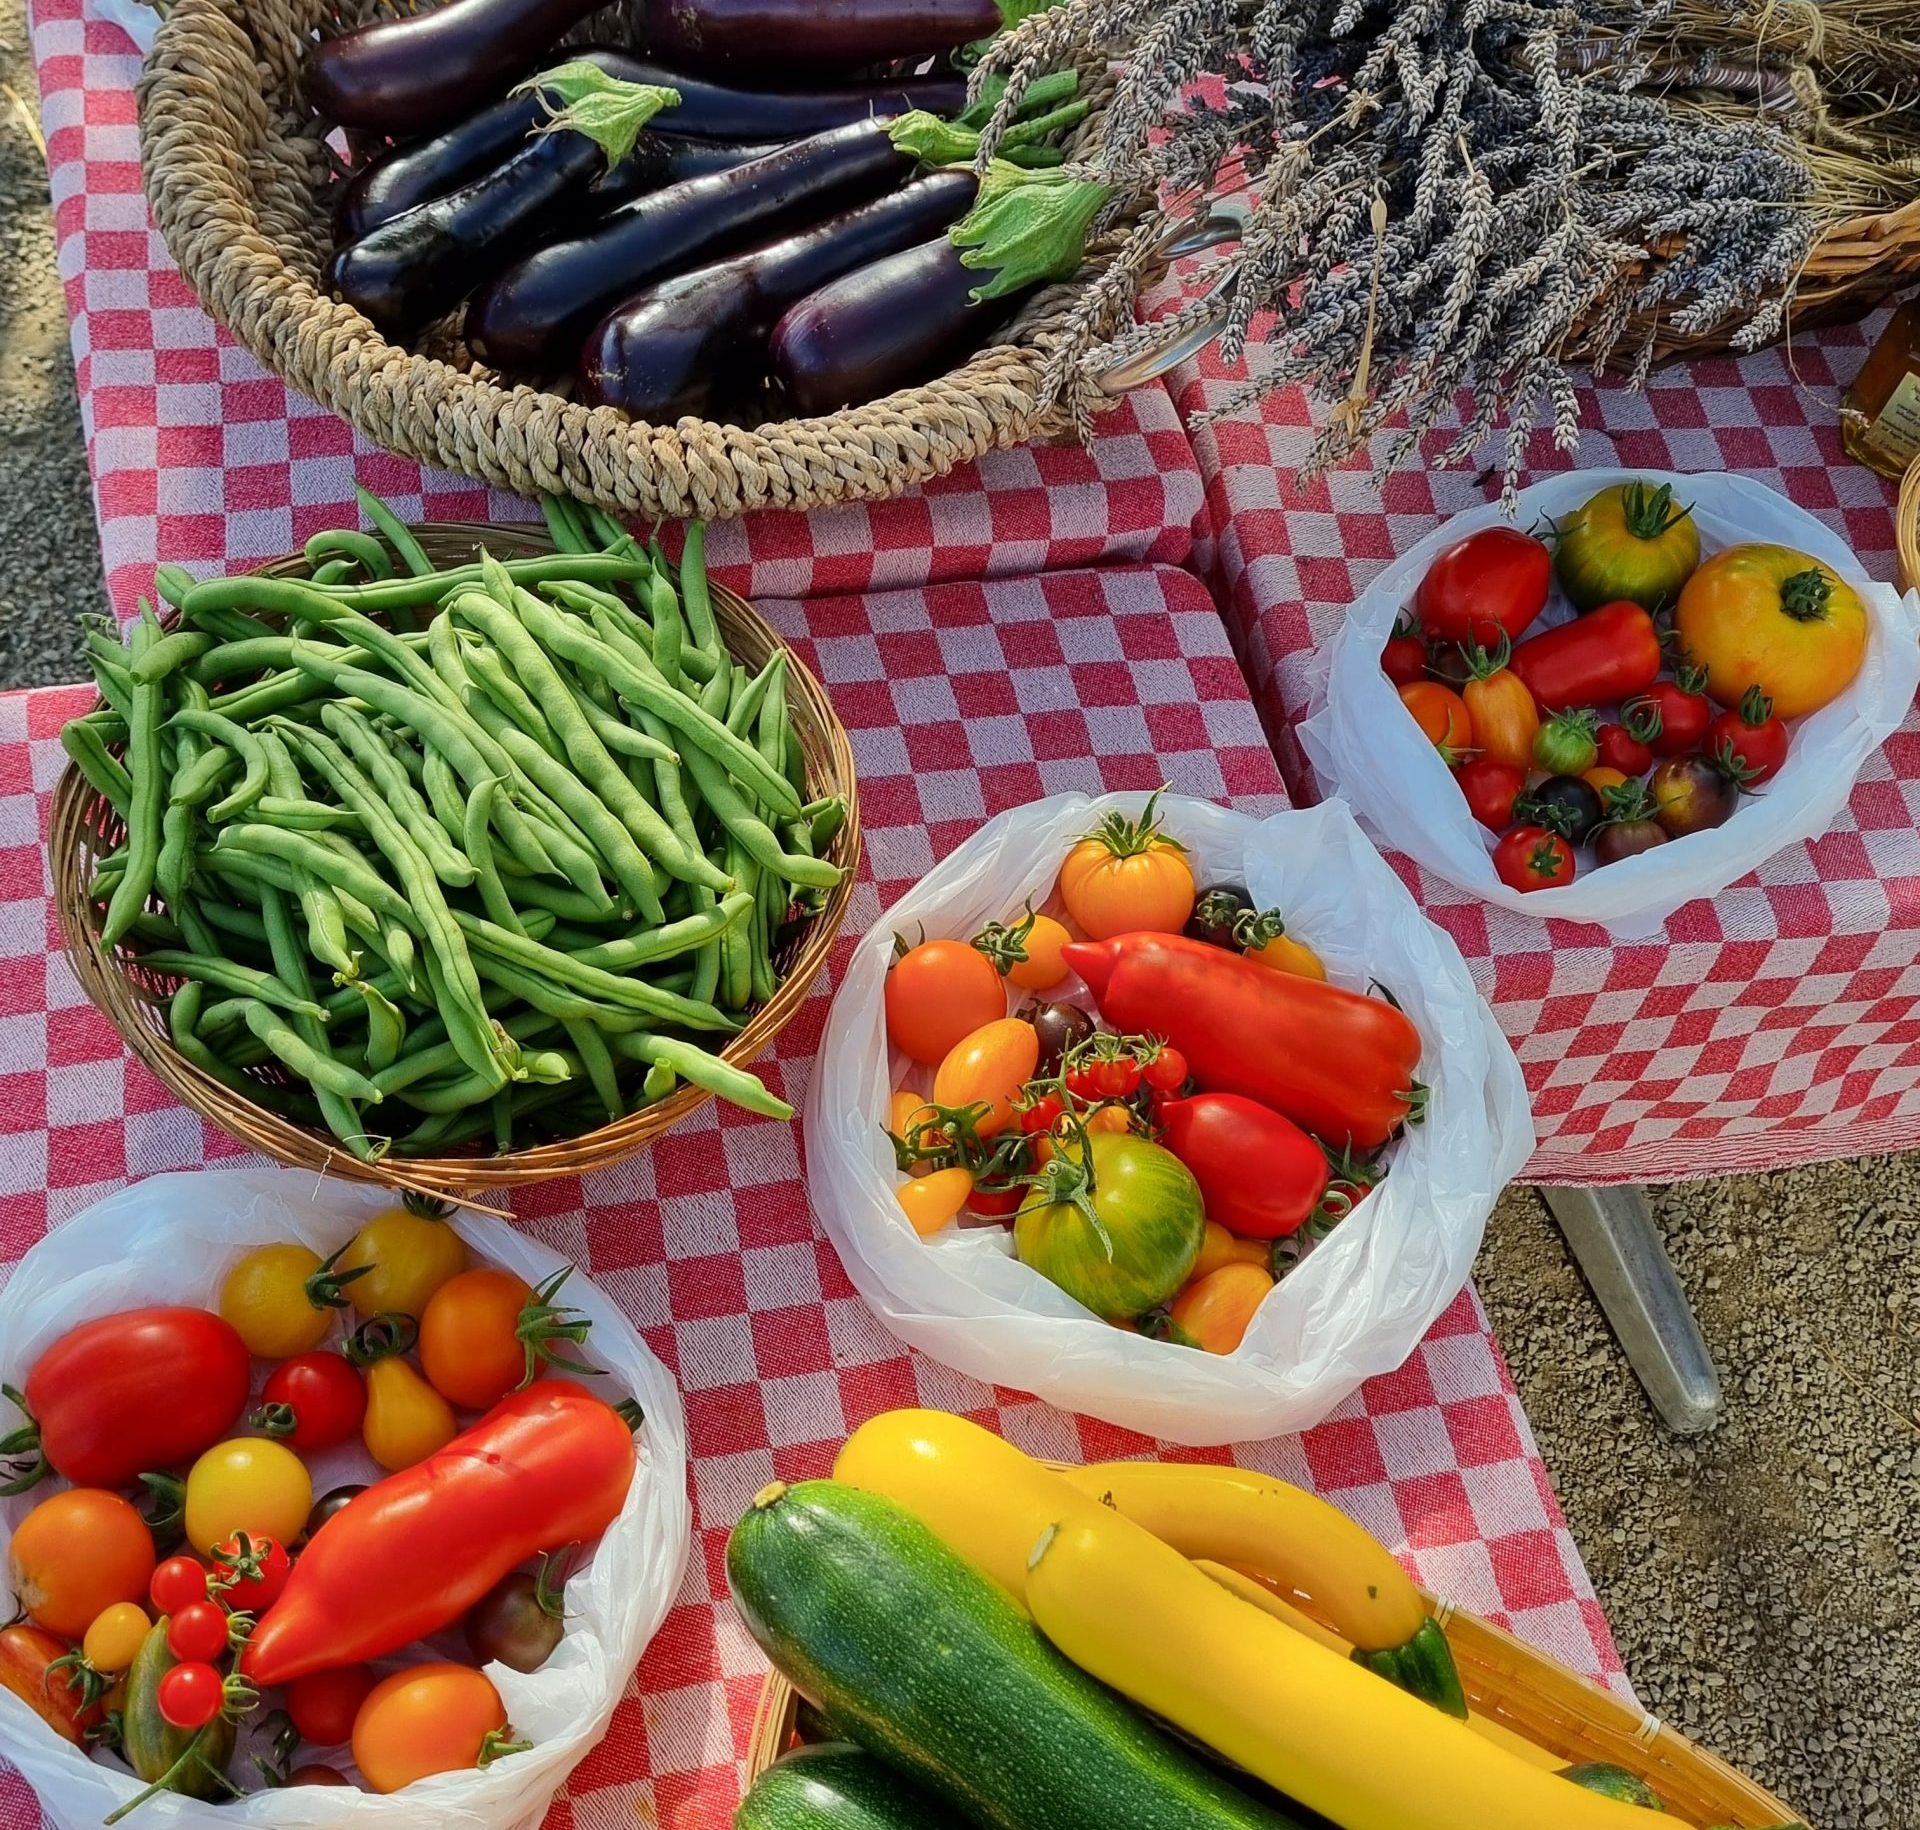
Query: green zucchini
<point x="1423" y="1667"/>
<point x="930" y="1667"/>
<point x="836" y="1787"/>
<point x="1614" y="1782"/>
<point x="153" y="1746"/>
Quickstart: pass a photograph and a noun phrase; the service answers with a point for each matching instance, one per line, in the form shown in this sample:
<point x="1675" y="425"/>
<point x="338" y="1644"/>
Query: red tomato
<point x="1491" y="789"/>
<point x="1490" y="584"/>
<point x="1620" y="749"/>
<point x="997" y="1203"/>
<point x="1532" y="858"/>
<point x="939" y="993"/>
<point x="1671" y="716"/>
<point x="1039" y="1116"/>
<point x="322" y="1704"/>
<point x="190" y="1696"/>
<point x="197" y="1635"/>
<point x="178" y="1583"/>
<point x="1748" y="744"/>
<point x="1165" y="1070"/>
<point x="1404" y="659"/>
<point x="1080" y="1083"/>
<point x="312" y="1402"/>
<point x="1118" y="1078"/>
<point x="252" y="1572"/>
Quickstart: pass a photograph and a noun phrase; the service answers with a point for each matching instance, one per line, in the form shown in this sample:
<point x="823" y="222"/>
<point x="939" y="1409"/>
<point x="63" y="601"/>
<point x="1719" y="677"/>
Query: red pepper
<point x="547" y="1466"/>
<point x="1338" y="1064"/>
<point x="1597" y="659"/>
<point x="112" y="1398"/>
<point x="1261" y="1175"/>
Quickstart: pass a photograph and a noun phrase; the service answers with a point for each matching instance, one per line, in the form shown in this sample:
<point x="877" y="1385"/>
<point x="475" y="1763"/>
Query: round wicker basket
<point x="1526" y="1693"/>
<point x="1907" y="528"/>
<point x="84" y="826"/>
<point x="241" y="180"/>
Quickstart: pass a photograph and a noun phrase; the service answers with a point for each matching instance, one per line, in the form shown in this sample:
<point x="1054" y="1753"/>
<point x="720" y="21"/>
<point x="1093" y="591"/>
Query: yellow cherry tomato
<point x="1600" y="778"/>
<point x="988" y="1068"/>
<point x="1285" y="954"/>
<point x="468" y="1346"/>
<point x="251" y="1484"/>
<point x="1221" y="1247"/>
<point x="429" y="1719"/>
<point x="1026" y="952"/>
<point x="934" y="1201"/>
<point x="1128" y="877"/>
<point x="408" y="1253"/>
<point x="904" y="1111"/>
<point x="115" y="1636"/>
<point x="406" y="1418"/>
<point x="1214" y="1311"/>
<point x="281" y="1299"/>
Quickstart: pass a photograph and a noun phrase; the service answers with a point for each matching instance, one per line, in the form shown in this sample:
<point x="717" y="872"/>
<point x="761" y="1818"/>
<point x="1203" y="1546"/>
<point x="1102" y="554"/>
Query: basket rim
<point x="75" y="804"/>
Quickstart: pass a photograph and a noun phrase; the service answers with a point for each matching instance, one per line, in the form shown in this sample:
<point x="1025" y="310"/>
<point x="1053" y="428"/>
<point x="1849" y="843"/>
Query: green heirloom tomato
<point x="1116" y="1221"/>
<point x="1630" y="542"/>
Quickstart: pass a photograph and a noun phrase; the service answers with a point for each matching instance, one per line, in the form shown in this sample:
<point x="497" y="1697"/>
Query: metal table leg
<point x="1613" y="1239"/>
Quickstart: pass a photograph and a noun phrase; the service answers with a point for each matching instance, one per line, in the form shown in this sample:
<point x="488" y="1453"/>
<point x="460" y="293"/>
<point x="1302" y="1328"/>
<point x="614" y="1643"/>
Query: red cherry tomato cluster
<point x="1584" y="742"/>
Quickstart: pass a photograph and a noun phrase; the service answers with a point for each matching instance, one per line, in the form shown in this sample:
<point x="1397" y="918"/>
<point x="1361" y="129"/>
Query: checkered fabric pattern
<point x="1777" y="1023"/>
<point x="199" y="455"/>
<point x="961" y="701"/>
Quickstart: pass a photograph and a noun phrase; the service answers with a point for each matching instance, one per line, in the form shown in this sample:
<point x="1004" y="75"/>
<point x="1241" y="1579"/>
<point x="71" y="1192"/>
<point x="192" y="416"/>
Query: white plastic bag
<point x="170" y="1239"/>
<point x="1360" y="1301"/>
<point x="1366" y="749"/>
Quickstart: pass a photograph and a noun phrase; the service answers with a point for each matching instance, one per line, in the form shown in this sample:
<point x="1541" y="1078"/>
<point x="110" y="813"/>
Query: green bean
<point x="305" y="852"/>
<point x="279" y="692"/>
<point x="555" y="1000"/>
<point x="692" y="1063"/>
<point x="384" y="770"/>
<point x="757" y="839"/>
<point x="299" y="814"/>
<point x="617" y="735"/>
<point x="696" y="594"/>
<point x="171" y="651"/>
<point x="563" y="525"/>
<point x="386" y="1028"/>
<point x="250" y="590"/>
<point x="332" y="572"/>
<point x="232" y="919"/>
<point x="660" y="1081"/>
<point x="155" y="929"/>
<point x="605" y="529"/>
<point x="396" y="533"/>
<point x="488" y="670"/>
<point x="361" y="550"/>
<point x="105" y="773"/>
<point x="597" y="1059"/>
<point x="574" y="857"/>
<point x="532" y="893"/>
<point x="174" y="584"/>
<point x="173" y="869"/>
<point x="242" y="743"/>
<point x="443" y="792"/>
<point x="229" y="976"/>
<point x="255" y="869"/>
<point x="649" y="944"/>
<point x="695" y="724"/>
<point x="622" y="993"/>
<point x="736" y="952"/>
<point x="669" y="634"/>
<point x="197" y="780"/>
<point x="310" y="1061"/>
<point x="147" y="772"/>
<point x="479" y="842"/>
<point x="232" y="660"/>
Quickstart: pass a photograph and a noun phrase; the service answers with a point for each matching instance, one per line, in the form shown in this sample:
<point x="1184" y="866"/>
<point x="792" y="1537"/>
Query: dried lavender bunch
<point x="1440" y="203"/>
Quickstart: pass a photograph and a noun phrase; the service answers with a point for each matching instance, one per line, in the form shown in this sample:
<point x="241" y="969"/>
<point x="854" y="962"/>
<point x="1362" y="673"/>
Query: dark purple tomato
<point x="1626" y="839"/>
<point x="317" y="1773"/>
<point x="327" y="1505"/>
<point x="1060" y="1027"/>
<point x="1564" y="804"/>
<point x="1691" y="795"/>
<point x="1216" y="910"/>
<point x="517" y="1622"/>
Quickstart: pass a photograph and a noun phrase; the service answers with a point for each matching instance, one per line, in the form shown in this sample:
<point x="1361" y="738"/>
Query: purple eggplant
<point x="530" y="318"/>
<point x="411" y="75"/>
<point x="417" y="267"/>
<point x="897" y="322"/>
<point x="782" y="34"/>
<point x="698" y="344"/>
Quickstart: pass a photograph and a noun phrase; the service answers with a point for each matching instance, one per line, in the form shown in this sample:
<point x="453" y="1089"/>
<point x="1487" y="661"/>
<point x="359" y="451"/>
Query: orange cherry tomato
<point x="1043" y="968"/>
<point x="428" y="1719"/>
<point x="988" y="1068"/>
<point x="1440" y="713"/>
<point x="1600" y="778"/>
<point x="933" y="1201"/>
<point x="1500" y="709"/>
<point x="468" y="1348"/>
<point x="938" y="993"/>
<point x="75" y="1555"/>
<point x="1128" y="877"/>
<point x="1285" y="954"/>
<point x="905" y="1110"/>
<point x="1221" y="1247"/>
<point x="1214" y="1310"/>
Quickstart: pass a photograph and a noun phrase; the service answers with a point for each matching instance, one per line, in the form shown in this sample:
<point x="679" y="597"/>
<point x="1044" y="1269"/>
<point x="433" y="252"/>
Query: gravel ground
<point x="1755" y="1578"/>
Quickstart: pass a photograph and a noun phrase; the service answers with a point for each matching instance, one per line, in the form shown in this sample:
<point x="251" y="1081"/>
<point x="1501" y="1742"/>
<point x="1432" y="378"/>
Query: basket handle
<point x="1224" y="221"/>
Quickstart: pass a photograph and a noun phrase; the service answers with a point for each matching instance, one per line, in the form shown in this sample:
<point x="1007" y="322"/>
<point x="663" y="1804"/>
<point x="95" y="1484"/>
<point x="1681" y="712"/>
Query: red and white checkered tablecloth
<point x="202" y="457"/>
<point x="1777" y="1023"/>
<point x="961" y="700"/>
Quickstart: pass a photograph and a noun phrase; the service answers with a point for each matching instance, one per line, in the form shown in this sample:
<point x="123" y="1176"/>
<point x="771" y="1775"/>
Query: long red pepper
<point x="1338" y="1064"/>
<point x="547" y="1466"/>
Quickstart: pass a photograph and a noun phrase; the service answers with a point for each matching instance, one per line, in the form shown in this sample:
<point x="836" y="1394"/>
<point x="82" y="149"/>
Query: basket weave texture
<point x="240" y="181"/>
<point x="84" y="826"/>
<point x="1907" y="528"/>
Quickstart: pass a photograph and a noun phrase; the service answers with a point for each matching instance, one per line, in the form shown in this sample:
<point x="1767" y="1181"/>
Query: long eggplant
<point x="530" y="319"/>
<point x="417" y="267"/>
<point x="782" y="34"/>
<point x="425" y="169"/>
<point x="409" y="76"/>
<point x="895" y="323"/>
<point x="698" y="344"/>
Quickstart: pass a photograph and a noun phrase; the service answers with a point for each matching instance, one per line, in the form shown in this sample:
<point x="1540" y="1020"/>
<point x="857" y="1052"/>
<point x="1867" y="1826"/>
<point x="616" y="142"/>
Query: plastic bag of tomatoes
<point x="1355" y="1305"/>
<point x="1395" y="735"/>
<point x="172" y="1240"/>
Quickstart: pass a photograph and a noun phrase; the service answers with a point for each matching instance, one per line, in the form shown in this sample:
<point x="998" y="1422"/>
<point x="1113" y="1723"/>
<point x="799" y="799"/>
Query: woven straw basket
<point x="1907" y="528"/>
<point x="1525" y="1692"/>
<point x="84" y="826"/>
<point x="240" y="183"/>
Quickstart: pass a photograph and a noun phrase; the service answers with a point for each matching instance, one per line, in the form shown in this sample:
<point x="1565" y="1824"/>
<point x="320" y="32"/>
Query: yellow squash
<point x="1134" y="1613"/>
